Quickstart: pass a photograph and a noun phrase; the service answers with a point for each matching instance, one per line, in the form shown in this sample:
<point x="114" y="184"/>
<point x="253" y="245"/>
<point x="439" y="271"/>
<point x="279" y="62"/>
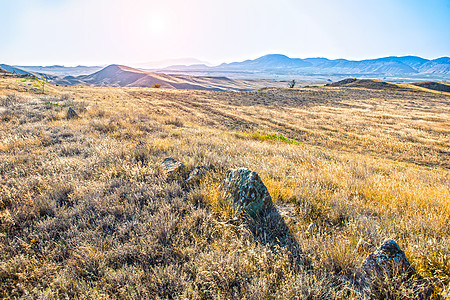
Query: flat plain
<point x="87" y="211"/>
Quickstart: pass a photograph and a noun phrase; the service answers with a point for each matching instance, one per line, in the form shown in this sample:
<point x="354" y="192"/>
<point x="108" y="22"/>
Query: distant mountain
<point x="170" y="62"/>
<point x="436" y="66"/>
<point x="123" y="76"/>
<point x="190" y="68"/>
<point x="343" y="66"/>
<point x="15" y="70"/>
<point x="61" y="70"/>
<point x="266" y="63"/>
<point x="413" y="61"/>
<point x="282" y="64"/>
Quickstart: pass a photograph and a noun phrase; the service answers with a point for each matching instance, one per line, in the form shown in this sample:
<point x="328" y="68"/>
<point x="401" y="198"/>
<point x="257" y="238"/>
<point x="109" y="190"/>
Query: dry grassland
<point x="86" y="210"/>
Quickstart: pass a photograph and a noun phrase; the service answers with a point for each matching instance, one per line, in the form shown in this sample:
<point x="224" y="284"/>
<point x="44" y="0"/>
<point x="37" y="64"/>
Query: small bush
<point x="266" y="137"/>
<point x="175" y="122"/>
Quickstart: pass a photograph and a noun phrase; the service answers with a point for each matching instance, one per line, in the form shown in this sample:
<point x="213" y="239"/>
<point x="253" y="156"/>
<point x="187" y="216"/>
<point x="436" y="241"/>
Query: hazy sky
<point x="72" y="32"/>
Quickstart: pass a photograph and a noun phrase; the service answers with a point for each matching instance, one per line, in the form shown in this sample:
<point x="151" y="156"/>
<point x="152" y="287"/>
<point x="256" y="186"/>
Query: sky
<point x="101" y="32"/>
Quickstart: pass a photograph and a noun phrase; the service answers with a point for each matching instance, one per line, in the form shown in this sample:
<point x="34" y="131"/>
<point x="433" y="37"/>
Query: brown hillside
<point x="367" y="84"/>
<point x="116" y="75"/>
<point x="436" y="86"/>
<point x="123" y="76"/>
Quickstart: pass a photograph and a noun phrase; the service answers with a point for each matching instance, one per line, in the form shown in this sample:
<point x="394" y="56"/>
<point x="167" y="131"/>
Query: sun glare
<point x="157" y="24"/>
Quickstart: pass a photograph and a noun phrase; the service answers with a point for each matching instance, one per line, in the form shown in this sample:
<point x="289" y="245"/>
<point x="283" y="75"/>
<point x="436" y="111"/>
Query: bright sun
<point x="157" y="24"/>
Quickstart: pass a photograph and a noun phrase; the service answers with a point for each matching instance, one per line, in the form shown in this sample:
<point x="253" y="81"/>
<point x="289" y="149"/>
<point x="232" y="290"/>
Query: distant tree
<point x="156" y="85"/>
<point x="291" y="84"/>
<point x="39" y="82"/>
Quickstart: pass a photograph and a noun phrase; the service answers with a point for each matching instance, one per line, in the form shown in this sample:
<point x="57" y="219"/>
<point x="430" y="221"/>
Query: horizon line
<point x="214" y="65"/>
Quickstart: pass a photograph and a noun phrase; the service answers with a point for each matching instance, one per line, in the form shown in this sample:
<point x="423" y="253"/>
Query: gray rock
<point x="387" y="270"/>
<point x="171" y="165"/>
<point x="245" y="191"/>
<point x="72" y="114"/>
<point x="387" y="261"/>
<point x="197" y="174"/>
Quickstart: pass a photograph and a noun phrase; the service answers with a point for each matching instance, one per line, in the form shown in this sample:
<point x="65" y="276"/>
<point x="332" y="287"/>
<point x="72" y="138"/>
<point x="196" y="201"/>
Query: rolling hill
<point x="61" y="70"/>
<point x="15" y="70"/>
<point x="437" y="86"/>
<point x="373" y="84"/>
<point x="365" y="83"/>
<point x="123" y="76"/>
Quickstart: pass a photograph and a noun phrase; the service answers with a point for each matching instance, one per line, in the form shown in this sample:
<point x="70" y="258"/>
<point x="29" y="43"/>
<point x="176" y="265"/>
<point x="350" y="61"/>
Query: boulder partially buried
<point x="388" y="269"/>
<point x="171" y="165"/>
<point x="72" y="114"/>
<point x="197" y="174"/>
<point x="245" y="191"/>
<point x="387" y="261"/>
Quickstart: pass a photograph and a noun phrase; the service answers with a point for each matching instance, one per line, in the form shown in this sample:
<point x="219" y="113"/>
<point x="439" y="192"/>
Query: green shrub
<point x="266" y="137"/>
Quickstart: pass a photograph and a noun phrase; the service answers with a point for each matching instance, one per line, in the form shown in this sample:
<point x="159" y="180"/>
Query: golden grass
<point x="86" y="210"/>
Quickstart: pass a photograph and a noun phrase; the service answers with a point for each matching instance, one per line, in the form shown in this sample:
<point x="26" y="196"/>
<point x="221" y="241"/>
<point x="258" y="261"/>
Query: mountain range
<point x="282" y="64"/>
<point x="270" y="70"/>
<point x="277" y="64"/>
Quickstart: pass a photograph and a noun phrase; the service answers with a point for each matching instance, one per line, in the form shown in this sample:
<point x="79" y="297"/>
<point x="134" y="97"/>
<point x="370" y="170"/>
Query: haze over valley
<point x="274" y="70"/>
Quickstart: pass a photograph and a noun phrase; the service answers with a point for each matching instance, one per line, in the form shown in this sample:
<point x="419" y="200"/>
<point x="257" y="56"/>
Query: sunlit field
<point x="87" y="211"/>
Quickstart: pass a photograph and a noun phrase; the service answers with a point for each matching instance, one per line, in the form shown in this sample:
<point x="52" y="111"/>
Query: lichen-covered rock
<point x="389" y="274"/>
<point x="197" y="174"/>
<point x="387" y="261"/>
<point x="72" y="114"/>
<point x="245" y="191"/>
<point x="171" y="165"/>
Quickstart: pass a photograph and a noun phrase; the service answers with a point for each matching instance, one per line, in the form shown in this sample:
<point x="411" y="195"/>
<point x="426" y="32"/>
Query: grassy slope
<point x="86" y="211"/>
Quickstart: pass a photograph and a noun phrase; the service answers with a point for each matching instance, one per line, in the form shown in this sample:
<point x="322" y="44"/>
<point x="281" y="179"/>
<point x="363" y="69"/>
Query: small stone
<point x="286" y="211"/>
<point x="171" y="165"/>
<point x="72" y="114"/>
<point x="197" y="174"/>
<point x="312" y="228"/>
<point x="387" y="261"/>
<point x="245" y="191"/>
<point x="363" y="247"/>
